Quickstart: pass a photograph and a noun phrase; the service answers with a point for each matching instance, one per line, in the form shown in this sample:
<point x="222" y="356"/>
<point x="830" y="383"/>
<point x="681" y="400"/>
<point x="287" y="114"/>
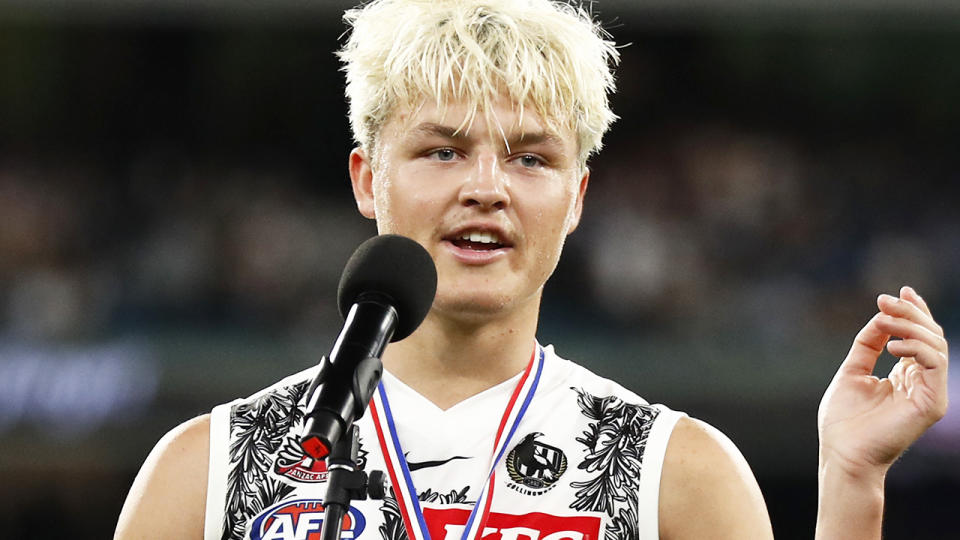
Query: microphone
<point x="385" y="292"/>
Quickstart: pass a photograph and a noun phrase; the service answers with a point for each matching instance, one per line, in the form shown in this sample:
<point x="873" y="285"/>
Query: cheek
<point x="382" y="204"/>
<point x="548" y="224"/>
<point x="572" y="199"/>
<point x="403" y="201"/>
<point x="570" y="219"/>
<point x="556" y="210"/>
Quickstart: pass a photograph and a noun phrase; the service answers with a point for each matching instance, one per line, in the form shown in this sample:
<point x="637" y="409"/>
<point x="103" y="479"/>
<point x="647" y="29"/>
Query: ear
<point x="578" y="208"/>
<point x="361" y="177"/>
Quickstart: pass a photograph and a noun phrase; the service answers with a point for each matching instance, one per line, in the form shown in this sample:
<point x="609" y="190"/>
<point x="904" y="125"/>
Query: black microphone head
<point x="396" y="267"/>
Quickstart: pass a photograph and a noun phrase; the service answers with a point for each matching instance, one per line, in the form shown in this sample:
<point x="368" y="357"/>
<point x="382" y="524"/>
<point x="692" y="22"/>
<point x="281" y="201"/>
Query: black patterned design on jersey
<point x="451" y="497"/>
<point x="257" y="430"/>
<point x="392" y="527"/>
<point x="615" y="440"/>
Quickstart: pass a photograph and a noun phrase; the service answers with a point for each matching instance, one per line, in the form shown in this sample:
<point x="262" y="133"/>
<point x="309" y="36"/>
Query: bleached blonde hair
<point x="544" y="54"/>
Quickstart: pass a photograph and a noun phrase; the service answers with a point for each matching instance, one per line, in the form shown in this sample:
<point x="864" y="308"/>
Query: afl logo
<point x="301" y="519"/>
<point x="535" y="467"/>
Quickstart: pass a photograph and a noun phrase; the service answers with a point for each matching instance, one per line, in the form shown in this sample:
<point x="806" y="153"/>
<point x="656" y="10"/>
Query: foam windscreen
<point x="394" y="267"/>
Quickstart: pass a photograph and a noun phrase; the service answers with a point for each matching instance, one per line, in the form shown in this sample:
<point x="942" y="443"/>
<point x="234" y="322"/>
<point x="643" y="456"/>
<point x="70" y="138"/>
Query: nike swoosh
<point x="415" y="466"/>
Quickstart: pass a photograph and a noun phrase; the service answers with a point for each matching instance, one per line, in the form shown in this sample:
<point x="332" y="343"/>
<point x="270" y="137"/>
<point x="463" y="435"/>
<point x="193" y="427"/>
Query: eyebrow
<point x="449" y="132"/>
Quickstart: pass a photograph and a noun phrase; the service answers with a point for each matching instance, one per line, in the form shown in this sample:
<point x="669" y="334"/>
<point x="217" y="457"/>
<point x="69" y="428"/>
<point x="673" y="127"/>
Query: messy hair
<point x="543" y="54"/>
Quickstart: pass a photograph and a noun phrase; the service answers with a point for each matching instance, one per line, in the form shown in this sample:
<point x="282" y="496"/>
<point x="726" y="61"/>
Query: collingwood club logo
<point x="534" y="467"/>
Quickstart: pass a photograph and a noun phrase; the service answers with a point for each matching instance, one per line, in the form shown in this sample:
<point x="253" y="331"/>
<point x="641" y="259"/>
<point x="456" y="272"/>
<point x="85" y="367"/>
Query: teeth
<point x="481" y="237"/>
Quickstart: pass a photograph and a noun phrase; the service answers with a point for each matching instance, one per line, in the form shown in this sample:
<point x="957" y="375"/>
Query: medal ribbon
<point x="399" y="472"/>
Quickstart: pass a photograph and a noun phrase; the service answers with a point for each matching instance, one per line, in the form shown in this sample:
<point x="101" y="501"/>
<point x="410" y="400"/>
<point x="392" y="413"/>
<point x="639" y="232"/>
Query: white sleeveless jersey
<point x="584" y="463"/>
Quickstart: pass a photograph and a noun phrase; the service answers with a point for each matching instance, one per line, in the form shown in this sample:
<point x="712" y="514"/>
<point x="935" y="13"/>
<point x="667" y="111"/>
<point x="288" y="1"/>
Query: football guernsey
<point x="555" y="453"/>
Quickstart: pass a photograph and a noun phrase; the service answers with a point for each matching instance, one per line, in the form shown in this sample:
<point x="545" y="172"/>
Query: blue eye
<point x="528" y="160"/>
<point x="445" y="154"/>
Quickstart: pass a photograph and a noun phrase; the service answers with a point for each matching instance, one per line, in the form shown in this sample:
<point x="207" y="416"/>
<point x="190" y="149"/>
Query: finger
<point x="908" y="293"/>
<point x="866" y="348"/>
<point x="903" y="307"/>
<point x="903" y="328"/>
<point x="930" y="394"/>
<point x="896" y="374"/>
<point x="922" y="352"/>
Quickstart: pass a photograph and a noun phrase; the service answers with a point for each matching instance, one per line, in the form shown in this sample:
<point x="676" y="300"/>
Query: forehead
<point x="503" y="120"/>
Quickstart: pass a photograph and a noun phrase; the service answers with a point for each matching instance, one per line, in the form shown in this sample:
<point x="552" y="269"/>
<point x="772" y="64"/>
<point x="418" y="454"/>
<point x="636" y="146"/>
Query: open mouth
<point x="478" y="241"/>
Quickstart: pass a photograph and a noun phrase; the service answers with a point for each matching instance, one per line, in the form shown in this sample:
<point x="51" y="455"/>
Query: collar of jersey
<point x="400" y="391"/>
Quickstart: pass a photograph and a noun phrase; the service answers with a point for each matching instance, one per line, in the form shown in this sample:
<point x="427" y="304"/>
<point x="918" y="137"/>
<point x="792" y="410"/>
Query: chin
<point x="471" y="306"/>
<point x="479" y="306"/>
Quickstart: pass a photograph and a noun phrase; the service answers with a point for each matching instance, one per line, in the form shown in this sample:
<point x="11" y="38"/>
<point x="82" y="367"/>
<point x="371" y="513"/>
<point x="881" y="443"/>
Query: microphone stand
<point x="386" y="275"/>
<point x="346" y="482"/>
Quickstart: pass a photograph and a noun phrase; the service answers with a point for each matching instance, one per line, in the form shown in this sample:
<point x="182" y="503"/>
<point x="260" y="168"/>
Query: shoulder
<point x="168" y="496"/>
<point x="707" y="488"/>
<point x="290" y="387"/>
<point x="569" y="375"/>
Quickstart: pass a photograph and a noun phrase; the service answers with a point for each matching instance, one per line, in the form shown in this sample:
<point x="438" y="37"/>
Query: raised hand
<point x="866" y="422"/>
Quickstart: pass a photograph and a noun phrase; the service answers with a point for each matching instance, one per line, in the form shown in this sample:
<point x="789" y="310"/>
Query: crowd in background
<point x="174" y="207"/>
<point x="679" y="230"/>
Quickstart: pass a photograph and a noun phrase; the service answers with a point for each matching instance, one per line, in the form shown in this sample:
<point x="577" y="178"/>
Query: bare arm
<point x="168" y="497"/>
<point x="707" y="489"/>
<point x="865" y="423"/>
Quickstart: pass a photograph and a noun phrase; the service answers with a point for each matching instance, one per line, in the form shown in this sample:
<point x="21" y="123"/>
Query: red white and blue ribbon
<point x="399" y="472"/>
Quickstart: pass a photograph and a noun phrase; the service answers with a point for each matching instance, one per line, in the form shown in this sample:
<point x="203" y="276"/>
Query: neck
<point x="448" y="360"/>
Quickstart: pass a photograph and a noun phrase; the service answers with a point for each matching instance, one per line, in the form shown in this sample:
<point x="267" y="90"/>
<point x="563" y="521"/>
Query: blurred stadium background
<point x="175" y="212"/>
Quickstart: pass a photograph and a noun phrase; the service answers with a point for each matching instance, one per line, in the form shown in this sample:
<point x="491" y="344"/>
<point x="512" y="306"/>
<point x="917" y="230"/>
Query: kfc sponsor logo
<point x="301" y="520"/>
<point x="448" y="524"/>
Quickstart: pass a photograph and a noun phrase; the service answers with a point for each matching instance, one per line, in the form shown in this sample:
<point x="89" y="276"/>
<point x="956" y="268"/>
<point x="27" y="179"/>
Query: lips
<point x="479" y="238"/>
<point x="478" y="244"/>
<point x="478" y="241"/>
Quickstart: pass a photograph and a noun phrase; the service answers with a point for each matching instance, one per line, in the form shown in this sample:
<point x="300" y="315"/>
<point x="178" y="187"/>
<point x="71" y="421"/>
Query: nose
<point x="487" y="185"/>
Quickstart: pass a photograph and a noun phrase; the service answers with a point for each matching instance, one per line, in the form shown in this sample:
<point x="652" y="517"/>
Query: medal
<point x="399" y="473"/>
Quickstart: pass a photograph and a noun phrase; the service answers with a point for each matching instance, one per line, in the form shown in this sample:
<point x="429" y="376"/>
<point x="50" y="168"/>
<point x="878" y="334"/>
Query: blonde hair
<point x="545" y="54"/>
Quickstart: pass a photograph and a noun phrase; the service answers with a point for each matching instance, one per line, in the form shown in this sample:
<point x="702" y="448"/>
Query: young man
<point x="474" y="120"/>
